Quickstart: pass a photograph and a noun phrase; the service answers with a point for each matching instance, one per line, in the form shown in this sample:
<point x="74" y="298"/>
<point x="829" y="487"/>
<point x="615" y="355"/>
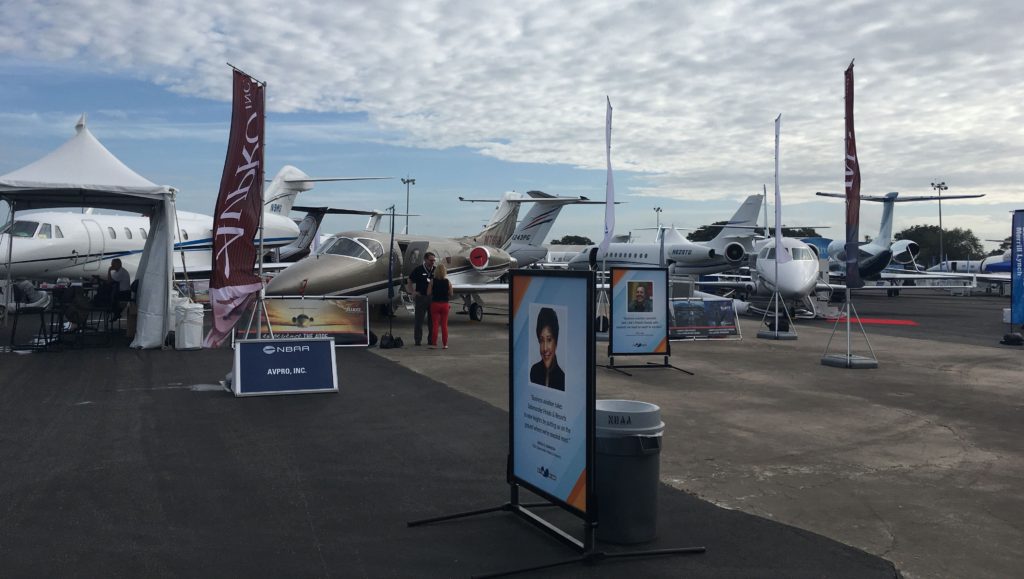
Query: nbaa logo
<point x="268" y="350"/>
<point x="546" y="473"/>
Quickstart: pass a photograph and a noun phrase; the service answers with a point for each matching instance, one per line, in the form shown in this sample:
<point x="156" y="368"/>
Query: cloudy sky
<point x="476" y="98"/>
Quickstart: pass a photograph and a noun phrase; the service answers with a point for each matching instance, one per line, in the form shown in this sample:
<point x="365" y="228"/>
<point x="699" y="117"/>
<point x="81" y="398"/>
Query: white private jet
<point x="52" y="244"/>
<point x="681" y="256"/>
<point x="796" y="279"/>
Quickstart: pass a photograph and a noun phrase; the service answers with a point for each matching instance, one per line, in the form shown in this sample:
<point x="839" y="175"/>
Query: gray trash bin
<point x="627" y="470"/>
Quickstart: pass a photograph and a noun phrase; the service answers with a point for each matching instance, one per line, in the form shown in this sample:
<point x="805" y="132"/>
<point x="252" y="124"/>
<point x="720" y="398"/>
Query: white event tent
<point x="83" y="173"/>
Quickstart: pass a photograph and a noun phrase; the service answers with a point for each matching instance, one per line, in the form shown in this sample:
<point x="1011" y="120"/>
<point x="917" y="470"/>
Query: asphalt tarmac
<point x="122" y="463"/>
<point x="920" y="461"/>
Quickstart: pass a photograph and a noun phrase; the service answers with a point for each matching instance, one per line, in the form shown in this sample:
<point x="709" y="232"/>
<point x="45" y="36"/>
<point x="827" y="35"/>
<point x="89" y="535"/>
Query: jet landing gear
<point x="471" y="305"/>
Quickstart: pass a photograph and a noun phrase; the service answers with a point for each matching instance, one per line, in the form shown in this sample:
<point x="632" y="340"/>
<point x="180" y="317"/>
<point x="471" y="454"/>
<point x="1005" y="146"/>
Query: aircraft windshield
<point x="802" y="254"/>
<point x="798" y="253"/>
<point x="373" y="246"/>
<point x="21" y="228"/>
<point x="348" y="247"/>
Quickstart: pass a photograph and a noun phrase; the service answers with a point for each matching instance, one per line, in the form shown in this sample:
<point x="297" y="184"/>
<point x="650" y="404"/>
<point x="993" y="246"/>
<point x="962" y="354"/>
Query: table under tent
<point x="83" y="173"/>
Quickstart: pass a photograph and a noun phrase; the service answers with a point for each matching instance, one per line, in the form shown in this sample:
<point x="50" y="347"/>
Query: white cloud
<point x="696" y="86"/>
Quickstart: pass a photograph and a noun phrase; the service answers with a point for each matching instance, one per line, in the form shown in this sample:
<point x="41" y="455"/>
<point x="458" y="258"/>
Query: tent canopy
<point x="83" y="173"/>
<point x="81" y="169"/>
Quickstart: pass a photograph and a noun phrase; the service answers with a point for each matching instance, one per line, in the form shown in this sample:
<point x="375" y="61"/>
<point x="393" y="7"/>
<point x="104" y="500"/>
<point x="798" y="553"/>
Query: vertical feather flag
<point x="236" y="220"/>
<point x="781" y="253"/>
<point x="609" y="195"/>
<point x="852" y="183"/>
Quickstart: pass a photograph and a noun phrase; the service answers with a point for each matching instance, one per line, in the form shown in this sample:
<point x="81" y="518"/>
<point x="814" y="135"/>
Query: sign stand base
<point x="664" y="364"/>
<point x="588" y="556"/>
<point x="849" y="359"/>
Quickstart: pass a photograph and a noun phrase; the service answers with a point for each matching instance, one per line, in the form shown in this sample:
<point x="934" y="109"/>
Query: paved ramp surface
<point x="920" y="461"/>
<point x="120" y="463"/>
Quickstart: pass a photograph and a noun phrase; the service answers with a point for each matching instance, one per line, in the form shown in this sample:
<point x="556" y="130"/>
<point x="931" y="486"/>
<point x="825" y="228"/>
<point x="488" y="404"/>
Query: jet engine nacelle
<point x="837" y="249"/>
<point x="483" y="257"/>
<point x="905" y="251"/>
<point x="734" y="252"/>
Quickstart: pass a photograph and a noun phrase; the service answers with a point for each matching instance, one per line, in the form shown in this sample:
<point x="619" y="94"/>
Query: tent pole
<point x="8" y="289"/>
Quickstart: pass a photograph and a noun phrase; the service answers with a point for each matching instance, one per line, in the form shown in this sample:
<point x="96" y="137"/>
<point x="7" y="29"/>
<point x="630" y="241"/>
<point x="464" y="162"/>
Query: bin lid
<point x="628" y="418"/>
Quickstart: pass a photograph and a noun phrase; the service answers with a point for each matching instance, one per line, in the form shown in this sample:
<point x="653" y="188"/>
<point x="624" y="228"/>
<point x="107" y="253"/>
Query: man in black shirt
<point x="417" y="286"/>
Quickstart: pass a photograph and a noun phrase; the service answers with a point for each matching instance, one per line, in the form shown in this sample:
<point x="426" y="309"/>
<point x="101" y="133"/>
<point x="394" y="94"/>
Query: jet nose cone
<point x="316" y="275"/>
<point x="795" y="281"/>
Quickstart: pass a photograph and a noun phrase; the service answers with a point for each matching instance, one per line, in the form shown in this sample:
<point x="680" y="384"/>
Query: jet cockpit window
<point x="56" y="229"/>
<point x="22" y="228"/>
<point x="45" y="231"/>
<point x="374" y="246"/>
<point x="802" y="254"/>
<point x="348" y="247"/>
<point x="767" y="253"/>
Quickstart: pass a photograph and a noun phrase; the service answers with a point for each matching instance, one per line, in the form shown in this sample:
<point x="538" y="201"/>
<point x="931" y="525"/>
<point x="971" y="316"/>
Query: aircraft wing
<point x="480" y="288"/>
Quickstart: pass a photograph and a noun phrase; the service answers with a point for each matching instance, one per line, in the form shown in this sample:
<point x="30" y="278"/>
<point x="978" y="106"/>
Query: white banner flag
<point x="781" y="253"/>
<point x="609" y="193"/>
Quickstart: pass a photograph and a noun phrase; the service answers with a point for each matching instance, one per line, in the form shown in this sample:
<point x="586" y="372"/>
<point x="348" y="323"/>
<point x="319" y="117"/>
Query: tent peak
<point x="80" y="124"/>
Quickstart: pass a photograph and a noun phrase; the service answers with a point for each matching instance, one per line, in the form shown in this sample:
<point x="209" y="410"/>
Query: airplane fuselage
<point x="355" y="263"/>
<point x="52" y="244"/>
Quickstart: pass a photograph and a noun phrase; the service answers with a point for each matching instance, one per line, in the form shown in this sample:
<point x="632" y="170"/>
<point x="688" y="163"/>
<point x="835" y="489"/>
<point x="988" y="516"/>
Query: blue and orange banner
<point x="639" y="311"/>
<point x="552" y="385"/>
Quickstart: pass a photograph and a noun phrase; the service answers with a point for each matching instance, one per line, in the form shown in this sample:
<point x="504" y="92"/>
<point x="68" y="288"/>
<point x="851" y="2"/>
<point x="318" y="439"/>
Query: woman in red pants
<point x="440" y="291"/>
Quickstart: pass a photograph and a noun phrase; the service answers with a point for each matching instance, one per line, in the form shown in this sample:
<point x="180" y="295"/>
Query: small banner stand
<point x="639" y="317"/>
<point x="552" y="410"/>
<point x="1012" y="338"/>
<point x="778" y="328"/>
<point x="849" y="359"/>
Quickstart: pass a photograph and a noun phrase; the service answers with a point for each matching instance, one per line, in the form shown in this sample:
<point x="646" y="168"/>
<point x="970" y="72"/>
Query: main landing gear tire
<point x="476" y="312"/>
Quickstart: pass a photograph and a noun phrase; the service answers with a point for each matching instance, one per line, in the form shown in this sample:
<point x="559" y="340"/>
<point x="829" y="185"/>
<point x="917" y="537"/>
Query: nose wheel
<point x="476" y="312"/>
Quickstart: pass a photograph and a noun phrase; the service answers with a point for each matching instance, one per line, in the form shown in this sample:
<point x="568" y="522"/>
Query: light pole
<point x="407" y="182"/>
<point x="940" y="187"/>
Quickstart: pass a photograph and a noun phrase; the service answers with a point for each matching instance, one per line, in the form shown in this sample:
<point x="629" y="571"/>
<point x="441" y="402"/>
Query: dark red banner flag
<point x="234" y="284"/>
<point x="852" y="191"/>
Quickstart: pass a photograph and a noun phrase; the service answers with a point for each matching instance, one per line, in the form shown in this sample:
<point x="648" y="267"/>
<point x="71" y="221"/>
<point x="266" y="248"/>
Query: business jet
<point x="876" y="255"/>
<point x="52" y="244"/>
<point x="796" y="279"/>
<point x="681" y="256"/>
<point x="356" y="263"/>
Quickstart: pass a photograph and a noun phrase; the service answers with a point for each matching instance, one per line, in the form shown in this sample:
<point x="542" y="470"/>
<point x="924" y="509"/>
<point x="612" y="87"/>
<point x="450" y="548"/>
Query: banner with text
<point x="639" y="311"/>
<point x="234" y="283"/>
<point x="1017" y="265"/>
<point x="702" y="319"/>
<point x="345" y="319"/>
<point x="551" y="354"/>
<point x="293" y="366"/>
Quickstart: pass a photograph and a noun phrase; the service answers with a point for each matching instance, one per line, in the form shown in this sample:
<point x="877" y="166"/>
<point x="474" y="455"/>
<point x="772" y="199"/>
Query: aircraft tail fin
<point x="279" y="196"/>
<point x="534" y="227"/>
<point x="743" y="219"/>
<point x="499" y="229"/>
<point x="885" y="228"/>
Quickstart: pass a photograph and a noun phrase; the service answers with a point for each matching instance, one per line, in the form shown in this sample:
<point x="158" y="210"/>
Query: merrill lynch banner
<point x="344" y="319"/>
<point x="700" y="319"/>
